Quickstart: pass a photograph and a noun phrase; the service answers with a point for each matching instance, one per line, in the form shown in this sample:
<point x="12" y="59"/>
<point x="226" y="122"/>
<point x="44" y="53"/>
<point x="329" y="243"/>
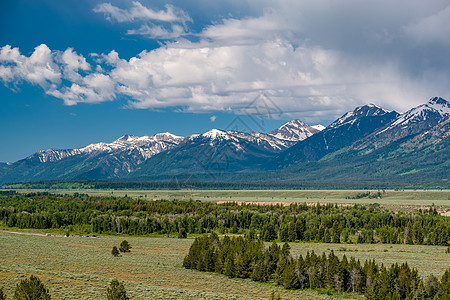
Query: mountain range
<point x="368" y="144"/>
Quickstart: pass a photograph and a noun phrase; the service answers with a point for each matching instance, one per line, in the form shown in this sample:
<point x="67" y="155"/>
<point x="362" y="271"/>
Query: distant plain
<point x="389" y="198"/>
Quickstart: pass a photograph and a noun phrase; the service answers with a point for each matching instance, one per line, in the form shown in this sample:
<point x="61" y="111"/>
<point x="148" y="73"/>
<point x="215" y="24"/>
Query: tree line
<point x="326" y="223"/>
<point x="240" y="182"/>
<point x="250" y="258"/>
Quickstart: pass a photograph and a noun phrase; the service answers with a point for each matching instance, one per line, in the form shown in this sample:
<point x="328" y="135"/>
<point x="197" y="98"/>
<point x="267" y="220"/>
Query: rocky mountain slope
<point x="100" y="160"/>
<point x="367" y="145"/>
<point x="295" y="131"/>
<point x="347" y="129"/>
<point x="214" y="154"/>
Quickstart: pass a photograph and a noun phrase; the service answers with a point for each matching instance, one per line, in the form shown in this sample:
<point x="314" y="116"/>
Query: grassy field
<point x="81" y="268"/>
<point x="390" y="198"/>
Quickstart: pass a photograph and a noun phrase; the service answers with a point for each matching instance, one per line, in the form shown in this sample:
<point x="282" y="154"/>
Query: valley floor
<point x="80" y="268"/>
<point x="392" y="199"/>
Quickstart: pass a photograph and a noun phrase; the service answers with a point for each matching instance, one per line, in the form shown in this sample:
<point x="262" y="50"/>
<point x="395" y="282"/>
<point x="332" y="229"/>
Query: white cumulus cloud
<point x="39" y="68"/>
<point x="138" y="13"/>
<point x="313" y="59"/>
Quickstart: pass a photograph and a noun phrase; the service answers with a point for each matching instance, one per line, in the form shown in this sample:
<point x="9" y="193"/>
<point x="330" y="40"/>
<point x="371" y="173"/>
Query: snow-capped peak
<point x="371" y="105"/>
<point x="436" y="109"/>
<point x="215" y="133"/>
<point x="166" y="135"/>
<point x="128" y="138"/>
<point x="294" y="130"/>
<point x="440" y="105"/>
<point x="319" y="127"/>
<point x="436" y="105"/>
<point x="359" y="112"/>
<point x="146" y="146"/>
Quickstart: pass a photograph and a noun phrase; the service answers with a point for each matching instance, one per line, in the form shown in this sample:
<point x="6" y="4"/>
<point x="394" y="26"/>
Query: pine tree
<point x="124" y="246"/>
<point x="444" y="288"/>
<point x="284" y="234"/>
<point x="316" y="281"/>
<point x="320" y="233"/>
<point x="272" y="295"/>
<point x="382" y="286"/>
<point x="116" y="291"/>
<point x="336" y="232"/>
<point x="299" y="229"/>
<point x="292" y="235"/>
<point x="395" y="296"/>
<point x="281" y="265"/>
<point x="268" y="232"/>
<point x="420" y="294"/>
<point x="275" y="297"/>
<point x="31" y="289"/>
<point x="417" y="232"/>
<point x="327" y="236"/>
<point x="355" y="275"/>
<point x="258" y="273"/>
<point x="229" y="268"/>
<point x="234" y="229"/>
<point x="2" y="295"/>
<point x="289" y="277"/>
<point x="431" y="286"/>
<point x="250" y="234"/>
<point x="441" y="234"/>
<point x="115" y="252"/>
<point x="182" y="234"/>
<point x="243" y="267"/>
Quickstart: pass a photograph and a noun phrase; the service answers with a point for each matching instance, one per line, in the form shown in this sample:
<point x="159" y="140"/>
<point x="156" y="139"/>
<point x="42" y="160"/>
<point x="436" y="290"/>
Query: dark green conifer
<point x="289" y="277"/>
<point x="115" y="252"/>
<point x="124" y="246"/>
<point x="444" y="287"/>
<point x="31" y="289"/>
<point x="182" y="234"/>
<point x="116" y="291"/>
<point x="229" y="268"/>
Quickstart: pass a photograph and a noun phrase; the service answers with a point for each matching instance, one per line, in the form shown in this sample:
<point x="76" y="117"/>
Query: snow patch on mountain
<point x="435" y="108"/>
<point x="361" y="111"/>
<point x="216" y="133"/>
<point x="145" y="147"/>
<point x="294" y="131"/>
<point x="240" y="140"/>
<point x="319" y="127"/>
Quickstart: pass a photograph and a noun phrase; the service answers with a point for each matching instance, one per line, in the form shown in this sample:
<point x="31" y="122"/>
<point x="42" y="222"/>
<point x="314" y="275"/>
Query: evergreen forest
<point x="249" y="258"/>
<point x="327" y="223"/>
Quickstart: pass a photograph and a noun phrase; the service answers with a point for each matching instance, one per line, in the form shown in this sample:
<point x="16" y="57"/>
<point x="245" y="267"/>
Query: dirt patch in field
<point x="445" y="214"/>
<point x="282" y="203"/>
<point x="33" y="233"/>
<point x="25" y="233"/>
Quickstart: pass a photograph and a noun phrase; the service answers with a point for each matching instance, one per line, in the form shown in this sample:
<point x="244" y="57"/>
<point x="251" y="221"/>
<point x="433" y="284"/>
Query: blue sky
<point x="80" y="72"/>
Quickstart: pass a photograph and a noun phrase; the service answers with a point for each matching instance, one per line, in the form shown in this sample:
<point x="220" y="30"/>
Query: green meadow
<point x="389" y="198"/>
<point x="80" y="268"/>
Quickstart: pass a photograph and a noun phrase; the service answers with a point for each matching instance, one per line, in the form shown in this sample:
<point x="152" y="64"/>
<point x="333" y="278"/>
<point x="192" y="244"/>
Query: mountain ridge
<point x="368" y="140"/>
<point x="294" y="130"/>
<point x="342" y="132"/>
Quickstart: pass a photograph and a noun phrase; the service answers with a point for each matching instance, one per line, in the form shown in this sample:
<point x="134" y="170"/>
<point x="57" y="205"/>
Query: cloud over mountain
<point x="315" y="60"/>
